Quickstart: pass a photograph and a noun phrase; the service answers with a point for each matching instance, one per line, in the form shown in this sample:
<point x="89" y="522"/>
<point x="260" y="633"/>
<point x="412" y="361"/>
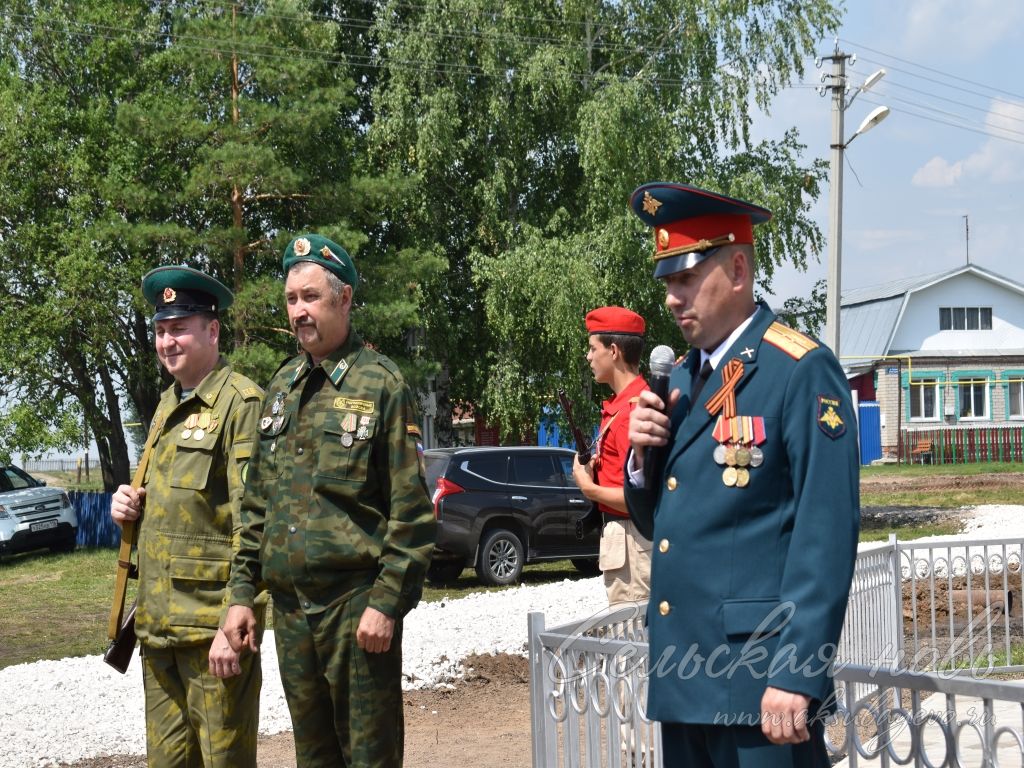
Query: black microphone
<point x="662" y="358"/>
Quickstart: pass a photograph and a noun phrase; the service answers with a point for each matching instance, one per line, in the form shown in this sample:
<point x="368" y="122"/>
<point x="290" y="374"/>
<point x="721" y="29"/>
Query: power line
<point x="959" y="126"/>
<point x="934" y="71"/>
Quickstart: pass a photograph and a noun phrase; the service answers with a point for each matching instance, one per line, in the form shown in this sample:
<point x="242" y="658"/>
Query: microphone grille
<point x="662" y="358"/>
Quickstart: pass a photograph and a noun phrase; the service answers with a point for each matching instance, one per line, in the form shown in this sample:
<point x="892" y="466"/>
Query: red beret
<point x="615" y="320"/>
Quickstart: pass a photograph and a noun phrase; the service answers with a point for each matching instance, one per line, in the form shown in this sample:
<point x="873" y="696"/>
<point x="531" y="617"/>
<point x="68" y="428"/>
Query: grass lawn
<point x="942" y="486"/>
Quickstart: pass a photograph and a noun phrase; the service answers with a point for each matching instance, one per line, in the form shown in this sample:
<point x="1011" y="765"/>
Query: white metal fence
<point x="924" y="617"/>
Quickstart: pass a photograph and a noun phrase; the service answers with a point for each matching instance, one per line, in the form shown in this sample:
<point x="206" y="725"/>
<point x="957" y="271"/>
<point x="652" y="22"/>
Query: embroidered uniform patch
<point x="347" y="404"/>
<point x="829" y="420"/>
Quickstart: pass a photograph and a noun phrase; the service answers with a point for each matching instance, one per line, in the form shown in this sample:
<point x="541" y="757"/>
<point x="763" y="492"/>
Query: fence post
<point x="539" y="736"/>
<point x="897" y="583"/>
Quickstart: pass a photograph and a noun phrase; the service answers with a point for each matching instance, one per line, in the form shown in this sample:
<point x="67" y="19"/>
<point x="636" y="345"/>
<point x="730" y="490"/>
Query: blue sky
<point x="919" y="177"/>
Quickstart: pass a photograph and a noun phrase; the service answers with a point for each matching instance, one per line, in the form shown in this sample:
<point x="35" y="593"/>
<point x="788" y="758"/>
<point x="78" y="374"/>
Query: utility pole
<point x="838" y="86"/>
<point x="835" y="197"/>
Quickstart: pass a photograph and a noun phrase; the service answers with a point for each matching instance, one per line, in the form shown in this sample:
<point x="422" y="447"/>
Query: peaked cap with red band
<point x="690" y="224"/>
<point x="618" y="320"/>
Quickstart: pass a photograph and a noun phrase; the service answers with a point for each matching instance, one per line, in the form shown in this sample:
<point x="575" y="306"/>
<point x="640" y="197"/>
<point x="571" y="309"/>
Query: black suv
<point x="500" y="508"/>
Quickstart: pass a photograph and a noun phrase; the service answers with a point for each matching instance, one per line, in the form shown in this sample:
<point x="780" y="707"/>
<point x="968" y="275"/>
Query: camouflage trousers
<point x="345" y="704"/>
<point x="196" y="720"/>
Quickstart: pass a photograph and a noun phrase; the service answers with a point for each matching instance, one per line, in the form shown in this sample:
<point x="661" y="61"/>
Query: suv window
<point x="566" y="470"/>
<point x="12" y="480"/>
<point x="434" y="467"/>
<point x="491" y="467"/>
<point x="537" y="470"/>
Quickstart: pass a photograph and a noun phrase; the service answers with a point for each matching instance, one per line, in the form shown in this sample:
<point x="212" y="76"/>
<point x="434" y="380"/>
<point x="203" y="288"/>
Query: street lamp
<point x="835" y="219"/>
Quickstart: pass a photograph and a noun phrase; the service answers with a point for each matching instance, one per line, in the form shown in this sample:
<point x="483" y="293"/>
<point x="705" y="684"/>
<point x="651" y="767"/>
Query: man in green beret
<point x="336" y="522"/>
<point x="202" y="697"/>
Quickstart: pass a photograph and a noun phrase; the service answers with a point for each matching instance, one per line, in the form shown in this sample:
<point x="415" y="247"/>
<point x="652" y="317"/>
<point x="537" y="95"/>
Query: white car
<point x="33" y="516"/>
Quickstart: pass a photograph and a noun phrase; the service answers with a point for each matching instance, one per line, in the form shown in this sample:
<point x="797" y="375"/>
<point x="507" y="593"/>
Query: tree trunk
<point x="444" y="430"/>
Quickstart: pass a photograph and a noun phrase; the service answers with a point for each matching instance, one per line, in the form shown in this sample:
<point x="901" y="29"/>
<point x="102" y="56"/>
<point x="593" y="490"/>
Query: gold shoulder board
<point x="792" y="342"/>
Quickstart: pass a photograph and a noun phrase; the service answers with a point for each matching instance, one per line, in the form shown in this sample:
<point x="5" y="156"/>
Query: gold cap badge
<point x="169" y="295"/>
<point x="651" y="205"/>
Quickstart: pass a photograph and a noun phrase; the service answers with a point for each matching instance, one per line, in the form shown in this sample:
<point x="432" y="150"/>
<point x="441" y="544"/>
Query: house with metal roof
<point x="943" y="356"/>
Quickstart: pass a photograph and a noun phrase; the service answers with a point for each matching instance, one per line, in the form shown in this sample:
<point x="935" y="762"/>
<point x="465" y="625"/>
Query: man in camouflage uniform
<point x="202" y="697"/>
<point x="336" y="523"/>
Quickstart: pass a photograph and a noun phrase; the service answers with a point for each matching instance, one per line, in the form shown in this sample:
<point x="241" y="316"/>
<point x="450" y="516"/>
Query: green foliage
<point x="806" y="313"/>
<point x="181" y="132"/>
<point x="527" y="130"/>
<point x="475" y="159"/>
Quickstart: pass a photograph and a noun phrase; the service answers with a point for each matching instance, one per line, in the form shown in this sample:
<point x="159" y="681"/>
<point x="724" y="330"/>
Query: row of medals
<point x="197" y="425"/>
<point x="737" y="459"/>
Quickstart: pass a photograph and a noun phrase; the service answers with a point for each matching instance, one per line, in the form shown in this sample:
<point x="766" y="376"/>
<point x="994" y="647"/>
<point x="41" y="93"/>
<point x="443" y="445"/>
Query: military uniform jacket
<point x="191" y="522"/>
<point x="336" y="500"/>
<point x="749" y="585"/>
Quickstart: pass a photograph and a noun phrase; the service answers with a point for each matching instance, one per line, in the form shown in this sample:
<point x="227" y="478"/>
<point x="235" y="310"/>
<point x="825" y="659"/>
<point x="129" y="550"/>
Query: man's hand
<point x="224" y="660"/>
<point x="649" y="424"/>
<point x="375" y="630"/>
<point x="583" y="474"/>
<point x="784" y="716"/>
<point x="240" y="629"/>
<point x="126" y="504"/>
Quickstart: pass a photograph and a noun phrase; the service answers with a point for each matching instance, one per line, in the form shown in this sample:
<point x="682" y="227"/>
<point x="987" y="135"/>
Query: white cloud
<point x="937" y="172"/>
<point x="961" y="29"/>
<point x="997" y="161"/>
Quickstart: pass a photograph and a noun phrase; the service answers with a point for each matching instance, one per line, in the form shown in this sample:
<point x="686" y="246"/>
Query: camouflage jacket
<point x="335" y="499"/>
<point x="191" y="522"/>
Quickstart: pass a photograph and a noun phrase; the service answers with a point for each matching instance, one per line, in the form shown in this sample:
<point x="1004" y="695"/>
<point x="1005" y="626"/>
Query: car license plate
<point x="44" y="525"/>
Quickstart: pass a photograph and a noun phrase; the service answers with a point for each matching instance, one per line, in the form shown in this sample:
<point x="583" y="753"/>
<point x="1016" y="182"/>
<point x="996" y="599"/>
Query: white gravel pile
<point x="53" y="711"/>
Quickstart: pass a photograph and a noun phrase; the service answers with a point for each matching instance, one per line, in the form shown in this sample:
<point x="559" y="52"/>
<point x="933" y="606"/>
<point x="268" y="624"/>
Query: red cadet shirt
<point x="613" y="440"/>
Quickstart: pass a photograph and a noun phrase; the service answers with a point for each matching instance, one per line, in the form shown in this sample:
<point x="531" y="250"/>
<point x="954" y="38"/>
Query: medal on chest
<point x="738" y="437"/>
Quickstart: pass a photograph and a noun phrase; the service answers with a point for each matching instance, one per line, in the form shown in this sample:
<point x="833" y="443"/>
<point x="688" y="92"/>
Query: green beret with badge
<point x="177" y="291"/>
<point x="327" y="253"/>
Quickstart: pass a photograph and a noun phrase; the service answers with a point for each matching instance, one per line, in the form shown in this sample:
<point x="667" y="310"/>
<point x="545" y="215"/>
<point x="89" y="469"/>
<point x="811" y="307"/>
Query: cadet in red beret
<point x="616" y="343"/>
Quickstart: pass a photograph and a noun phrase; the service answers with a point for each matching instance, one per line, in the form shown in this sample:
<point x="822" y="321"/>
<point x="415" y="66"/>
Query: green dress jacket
<point x="191" y="523"/>
<point x="336" y="499"/>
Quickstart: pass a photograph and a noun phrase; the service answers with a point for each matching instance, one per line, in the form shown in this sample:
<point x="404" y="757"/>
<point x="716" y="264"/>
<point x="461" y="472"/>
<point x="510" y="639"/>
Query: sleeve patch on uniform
<point x="829" y="420"/>
<point x="348" y="404"/>
<point x="413" y="429"/>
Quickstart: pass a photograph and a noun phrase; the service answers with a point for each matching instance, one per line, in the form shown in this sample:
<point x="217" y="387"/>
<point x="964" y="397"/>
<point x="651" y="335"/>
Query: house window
<point x="965" y="318"/>
<point x="924" y="398"/>
<point x="973" y="398"/>
<point x="1015" y="405"/>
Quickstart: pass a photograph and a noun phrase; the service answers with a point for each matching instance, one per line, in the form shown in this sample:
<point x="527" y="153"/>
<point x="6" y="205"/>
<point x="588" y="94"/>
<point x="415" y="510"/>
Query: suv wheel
<point x="501" y="558"/>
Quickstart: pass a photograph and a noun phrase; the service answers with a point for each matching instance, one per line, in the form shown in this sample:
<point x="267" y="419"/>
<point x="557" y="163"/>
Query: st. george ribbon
<point x="662" y="358"/>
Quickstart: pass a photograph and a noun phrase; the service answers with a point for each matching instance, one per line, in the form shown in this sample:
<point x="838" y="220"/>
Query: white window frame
<point x="1011" y="383"/>
<point x="961" y="384"/>
<point x="917" y="387"/>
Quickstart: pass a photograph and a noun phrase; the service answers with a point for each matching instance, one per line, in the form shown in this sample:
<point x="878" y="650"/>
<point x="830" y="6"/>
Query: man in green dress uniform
<point x="337" y="523"/>
<point x="202" y="697"/>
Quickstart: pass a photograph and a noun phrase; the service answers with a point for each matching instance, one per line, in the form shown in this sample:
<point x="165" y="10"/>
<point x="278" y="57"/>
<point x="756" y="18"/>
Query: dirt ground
<point x="942" y="482"/>
<point x="484" y="722"/>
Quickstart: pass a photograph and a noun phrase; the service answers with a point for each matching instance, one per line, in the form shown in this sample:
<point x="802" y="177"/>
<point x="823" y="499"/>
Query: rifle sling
<point x="129" y="537"/>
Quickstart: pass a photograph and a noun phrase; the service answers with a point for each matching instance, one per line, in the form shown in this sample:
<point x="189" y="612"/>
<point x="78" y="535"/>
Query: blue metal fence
<point x="870" y="419"/>
<point x="95" y="528"/>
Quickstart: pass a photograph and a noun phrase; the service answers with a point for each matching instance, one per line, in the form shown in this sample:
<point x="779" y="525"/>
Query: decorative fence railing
<point x="924" y="617"/>
<point x="962" y="444"/>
